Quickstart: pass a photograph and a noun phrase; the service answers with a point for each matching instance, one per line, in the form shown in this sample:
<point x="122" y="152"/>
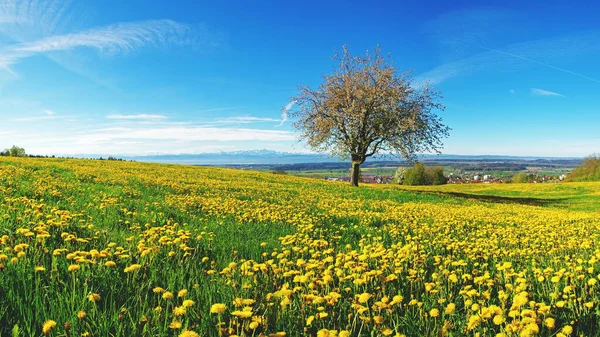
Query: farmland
<point x="102" y="248"/>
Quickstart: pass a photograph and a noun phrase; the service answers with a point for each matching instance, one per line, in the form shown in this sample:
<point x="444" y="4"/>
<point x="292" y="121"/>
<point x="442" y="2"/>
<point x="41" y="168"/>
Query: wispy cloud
<point x="245" y="120"/>
<point x="112" y="39"/>
<point x="39" y="118"/>
<point x="517" y="56"/>
<point x="542" y="92"/>
<point x="190" y="133"/>
<point x="137" y="117"/>
<point x="221" y="109"/>
<point x="456" y="34"/>
<point x="49" y="112"/>
<point x="285" y="113"/>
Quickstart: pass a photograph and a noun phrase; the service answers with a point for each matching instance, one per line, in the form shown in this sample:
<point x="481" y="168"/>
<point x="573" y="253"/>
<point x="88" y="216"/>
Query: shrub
<point x="521" y="178"/>
<point x="589" y="170"/>
<point x="420" y="174"/>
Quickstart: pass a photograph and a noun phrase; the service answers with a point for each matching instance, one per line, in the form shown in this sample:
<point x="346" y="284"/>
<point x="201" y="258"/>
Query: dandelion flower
<point x="131" y="268"/>
<point x="47" y="326"/>
<point x="364" y="298"/>
<point x="188" y="303"/>
<point x="188" y="333"/>
<point x="242" y="314"/>
<point x="179" y="311"/>
<point x="450" y="308"/>
<point x="93" y="297"/>
<point x="175" y="325"/>
<point x="218" y="308"/>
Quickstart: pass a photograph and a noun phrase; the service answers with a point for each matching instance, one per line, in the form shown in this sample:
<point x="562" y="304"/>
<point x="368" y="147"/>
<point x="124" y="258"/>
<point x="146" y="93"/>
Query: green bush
<point x="520" y="178"/>
<point x="14" y="151"/>
<point x="589" y="170"/>
<point x="420" y="174"/>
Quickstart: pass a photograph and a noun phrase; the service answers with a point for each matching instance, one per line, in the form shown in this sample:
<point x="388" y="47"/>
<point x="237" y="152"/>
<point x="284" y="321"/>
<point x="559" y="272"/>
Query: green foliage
<point x="588" y="171"/>
<point x="399" y="175"/>
<point x="14" y="151"/>
<point x="521" y="178"/>
<point x="420" y="175"/>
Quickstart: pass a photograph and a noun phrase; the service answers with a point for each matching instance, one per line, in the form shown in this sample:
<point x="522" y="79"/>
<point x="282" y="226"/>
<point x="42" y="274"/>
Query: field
<point x="103" y="248"/>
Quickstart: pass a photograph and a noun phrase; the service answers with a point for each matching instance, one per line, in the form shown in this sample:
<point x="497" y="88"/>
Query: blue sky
<point x="141" y="77"/>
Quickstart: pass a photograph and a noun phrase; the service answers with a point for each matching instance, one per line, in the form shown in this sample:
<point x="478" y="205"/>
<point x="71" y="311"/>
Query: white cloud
<point x="44" y="117"/>
<point x="185" y="134"/>
<point x="542" y="92"/>
<point x="135" y="117"/>
<point x="285" y="113"/>
<point x="221" y="109"/>
<point x="144" y="139"/>
<point x="49" y="112"/>
<point x="244" y="120"/>
<point x="112" y="39"/>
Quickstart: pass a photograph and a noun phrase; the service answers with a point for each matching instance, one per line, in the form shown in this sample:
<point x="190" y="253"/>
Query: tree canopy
<point x="14" y="151"/>
<point x="366" y="107"/>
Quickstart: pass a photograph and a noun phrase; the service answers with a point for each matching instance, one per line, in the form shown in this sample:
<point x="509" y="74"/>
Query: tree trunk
<point x="355" y="174"/>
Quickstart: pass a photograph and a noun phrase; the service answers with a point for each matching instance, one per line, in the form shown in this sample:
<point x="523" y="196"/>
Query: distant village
<point x="457" y="179"/>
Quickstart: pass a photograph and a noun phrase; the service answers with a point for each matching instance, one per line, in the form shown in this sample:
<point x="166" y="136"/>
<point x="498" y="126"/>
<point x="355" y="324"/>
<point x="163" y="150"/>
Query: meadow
<point x="108" y="248"/>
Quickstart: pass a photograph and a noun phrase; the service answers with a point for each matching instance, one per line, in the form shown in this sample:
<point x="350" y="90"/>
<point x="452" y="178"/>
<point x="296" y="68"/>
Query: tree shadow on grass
<point x="500" y="199"/>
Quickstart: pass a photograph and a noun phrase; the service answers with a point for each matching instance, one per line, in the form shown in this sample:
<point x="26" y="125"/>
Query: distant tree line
<point x="589" y="170"/>
<point x="421" y="174"/>
<point x="17" y="151"/>
<point x="14" y="151"/>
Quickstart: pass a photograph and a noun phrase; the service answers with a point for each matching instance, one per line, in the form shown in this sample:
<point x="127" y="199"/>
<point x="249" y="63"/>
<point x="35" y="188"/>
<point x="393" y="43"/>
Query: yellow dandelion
<point x="179" y="311"/>
<point x="364" y="298"/>
<point x="242" y="314"/>
<point x="47" y="326"/>
<point x="93" y="297"/>
<point x="550" y="323"/>
<point x="218" y="308"/>
<point x="131" y="268"/>
<point x="450" y="308"/>
<point x="175" y="325"/>
<point x="188" y="333"/>
<point x="188" y="303"/>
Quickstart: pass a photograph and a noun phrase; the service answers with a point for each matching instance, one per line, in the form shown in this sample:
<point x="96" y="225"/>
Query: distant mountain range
<point x="268" y="157"/>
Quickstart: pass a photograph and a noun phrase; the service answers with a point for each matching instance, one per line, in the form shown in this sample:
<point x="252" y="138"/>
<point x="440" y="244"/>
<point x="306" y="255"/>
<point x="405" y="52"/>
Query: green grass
<point x="232" y="216"/>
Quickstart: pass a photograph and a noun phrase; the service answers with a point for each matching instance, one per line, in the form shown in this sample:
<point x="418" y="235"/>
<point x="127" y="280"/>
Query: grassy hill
<point x="103" y="248"/>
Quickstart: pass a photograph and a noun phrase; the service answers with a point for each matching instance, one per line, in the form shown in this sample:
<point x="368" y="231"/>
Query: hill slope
<point x="131" y="249"/>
